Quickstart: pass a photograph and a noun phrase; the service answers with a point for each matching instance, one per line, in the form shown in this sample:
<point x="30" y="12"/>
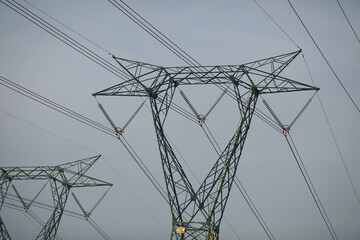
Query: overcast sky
<point x="214" y="33"/>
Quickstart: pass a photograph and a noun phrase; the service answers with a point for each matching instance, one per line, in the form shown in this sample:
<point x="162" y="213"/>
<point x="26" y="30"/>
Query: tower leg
<point x="60" y="194"/>
<point x="197" y="215"/>
<point x="4" y="186"/>
<point x="3" y="232"/>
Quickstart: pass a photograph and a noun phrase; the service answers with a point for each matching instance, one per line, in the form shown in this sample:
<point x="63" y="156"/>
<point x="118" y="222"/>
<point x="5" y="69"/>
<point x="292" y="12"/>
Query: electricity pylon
<point x="198" y="214"/>
<point x="62" y="178"/>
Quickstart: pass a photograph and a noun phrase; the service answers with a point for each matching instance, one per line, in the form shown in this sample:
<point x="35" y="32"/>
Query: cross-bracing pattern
<point x="62" y="178"/>
<point x="198" y="214"/>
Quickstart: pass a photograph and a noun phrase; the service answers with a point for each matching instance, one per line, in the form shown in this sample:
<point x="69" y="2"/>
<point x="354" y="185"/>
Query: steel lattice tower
<point x="158" y="83"/>
<point x="62" y="178"/>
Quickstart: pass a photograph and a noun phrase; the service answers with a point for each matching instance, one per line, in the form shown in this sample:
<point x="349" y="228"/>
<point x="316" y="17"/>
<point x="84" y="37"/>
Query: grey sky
<point x="214" y="33"/>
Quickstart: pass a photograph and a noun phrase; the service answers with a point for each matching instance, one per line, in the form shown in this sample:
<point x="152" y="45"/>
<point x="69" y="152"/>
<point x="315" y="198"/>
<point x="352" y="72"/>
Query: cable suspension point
<point x="119" y="131"/>
<point x="202" y="118"/>
<point x="286" y="128"/>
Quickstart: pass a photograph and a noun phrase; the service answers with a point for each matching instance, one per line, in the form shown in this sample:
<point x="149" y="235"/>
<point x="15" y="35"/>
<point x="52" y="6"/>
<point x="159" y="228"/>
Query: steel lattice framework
<point x="158" y="83"/>
<point x="62" y="178"/>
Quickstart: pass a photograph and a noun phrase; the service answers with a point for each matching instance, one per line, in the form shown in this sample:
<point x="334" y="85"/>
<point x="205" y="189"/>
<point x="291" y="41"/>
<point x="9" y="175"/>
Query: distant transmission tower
<point x="197" y="214"/>
<point x="62" y="178"/>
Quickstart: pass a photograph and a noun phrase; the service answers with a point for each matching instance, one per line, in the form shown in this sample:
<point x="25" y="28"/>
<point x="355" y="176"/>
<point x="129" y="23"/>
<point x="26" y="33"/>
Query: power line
<point x="333" y="135"/>
<point x="47" y="131"/>
<point x="152" y="31"/>
<point x="49" y="28"/>
<point x="134" y="194"/>
<point x="142" y="166"/>
<point x="71" y="29"/>
<point x="34" y="218"/>
<point x="18" y="208"/>
<point x="310" y="186"/>
<point x="347" y="19"/>
<point x="322" y="54"/>
<point x="98" y="229"/>
<point x="304" y="172"/>
<point x="57" y="107"/>
<point x="44" y="206"/>
<point x="254" y="209"/>
<point x="272" y="19"/>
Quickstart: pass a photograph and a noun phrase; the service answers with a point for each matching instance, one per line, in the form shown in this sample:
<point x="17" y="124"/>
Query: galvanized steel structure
<point x="197" y="214"/>
<point x="62" y="178"/>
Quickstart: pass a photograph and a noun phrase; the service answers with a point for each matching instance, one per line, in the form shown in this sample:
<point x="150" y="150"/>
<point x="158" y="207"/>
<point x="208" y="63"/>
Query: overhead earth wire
<point x="322" y="54"/>
<point x="347" y="19"/>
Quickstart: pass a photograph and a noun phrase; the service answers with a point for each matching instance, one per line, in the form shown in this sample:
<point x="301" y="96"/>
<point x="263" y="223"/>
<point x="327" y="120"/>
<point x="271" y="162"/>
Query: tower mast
<point x="197" y="214"/>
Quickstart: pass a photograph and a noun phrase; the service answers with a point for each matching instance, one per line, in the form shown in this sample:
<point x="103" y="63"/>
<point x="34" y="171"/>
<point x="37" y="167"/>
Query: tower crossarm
<point x="149" y="80"/>
<point x="70" y="174"/>
<point x="26" y="173"/>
